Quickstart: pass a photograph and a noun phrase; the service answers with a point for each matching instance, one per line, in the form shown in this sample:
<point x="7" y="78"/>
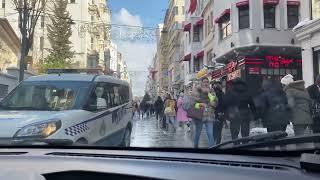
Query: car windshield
<point x="188" y="74"/>
<point x="46" y="96"/>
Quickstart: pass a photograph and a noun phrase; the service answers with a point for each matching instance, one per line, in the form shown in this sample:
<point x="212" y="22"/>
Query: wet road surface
<point x="147" y="133"/>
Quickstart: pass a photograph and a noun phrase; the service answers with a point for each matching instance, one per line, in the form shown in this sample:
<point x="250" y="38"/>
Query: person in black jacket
<point x="314" y="92"/>
<point x="240" y="108"/>
<point x="158" y="106"/>
<point x="276" y="113"/>
<point x="219" y="112"/>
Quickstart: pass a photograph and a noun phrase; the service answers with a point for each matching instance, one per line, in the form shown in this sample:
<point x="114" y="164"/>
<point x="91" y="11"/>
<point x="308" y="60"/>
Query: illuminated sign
<point x="234" y="75"/>
<point x="278" y="61"/>
<point x="254" y="70"/>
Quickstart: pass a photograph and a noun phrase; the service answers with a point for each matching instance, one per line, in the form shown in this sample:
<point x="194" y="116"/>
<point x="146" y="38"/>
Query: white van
<point x="83" y="108"/>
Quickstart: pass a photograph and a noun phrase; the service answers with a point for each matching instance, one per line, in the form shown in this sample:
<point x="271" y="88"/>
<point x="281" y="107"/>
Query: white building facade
<point x="309" y="36"/>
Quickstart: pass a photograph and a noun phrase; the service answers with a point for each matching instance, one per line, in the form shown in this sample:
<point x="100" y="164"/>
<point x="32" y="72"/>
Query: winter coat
<point x="181" y="113"/>
<point x="158" y="105"/>
<point x="299" y="101"/>
<point x="314" y="93"/>
<point x="239" y="103"/>
<point x="274" y="105"/>
<point x="202" y="97"/>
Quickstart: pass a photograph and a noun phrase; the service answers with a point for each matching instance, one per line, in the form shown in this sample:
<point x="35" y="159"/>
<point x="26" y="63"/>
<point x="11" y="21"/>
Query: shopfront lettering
<point x="278" y="61"/>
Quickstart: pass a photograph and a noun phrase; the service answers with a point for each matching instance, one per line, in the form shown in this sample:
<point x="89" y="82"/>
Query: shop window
<point x="244" y="17"/>
<point x="288" y="71"/>
<point x="269" y="16"/>
<point x="293" y="16"/>
<point x="264" y="71"/>
<point x="196" y="34"/>
<point x="225" y="27"/>
<point x="283" y="72"/>
<point x="198" y="64"/>
<point x="315" y="5"/>
<point x="294" y="72"/>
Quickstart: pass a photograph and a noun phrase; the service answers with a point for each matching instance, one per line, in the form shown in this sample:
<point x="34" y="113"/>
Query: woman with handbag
<point x="202" y="113"/>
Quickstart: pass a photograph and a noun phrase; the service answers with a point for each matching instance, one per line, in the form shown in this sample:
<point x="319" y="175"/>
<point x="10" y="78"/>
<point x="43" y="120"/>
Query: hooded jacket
<point x="300" y="102"/>
<point x="238" y="98"/>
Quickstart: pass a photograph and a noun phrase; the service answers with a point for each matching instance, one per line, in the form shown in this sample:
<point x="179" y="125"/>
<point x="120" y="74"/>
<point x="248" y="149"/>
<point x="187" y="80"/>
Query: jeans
<point x="171" y="120"/>
<point x="217" y="130"/>
<point x="198" y="128"/>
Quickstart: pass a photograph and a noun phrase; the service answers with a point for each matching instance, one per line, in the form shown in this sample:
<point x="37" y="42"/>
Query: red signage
<point x="234" y="75"/>
<point x="278" y="61"/>
<point x="254" y="70"/>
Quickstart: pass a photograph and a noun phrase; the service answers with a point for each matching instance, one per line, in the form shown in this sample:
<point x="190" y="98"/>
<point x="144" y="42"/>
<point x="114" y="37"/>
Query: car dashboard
<point x="82" y="164"/>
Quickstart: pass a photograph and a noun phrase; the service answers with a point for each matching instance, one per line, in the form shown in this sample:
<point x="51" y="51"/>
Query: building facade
<point x="91" y="26"/>
<point x="309" y="36"/>
<point x="254" y="39"/>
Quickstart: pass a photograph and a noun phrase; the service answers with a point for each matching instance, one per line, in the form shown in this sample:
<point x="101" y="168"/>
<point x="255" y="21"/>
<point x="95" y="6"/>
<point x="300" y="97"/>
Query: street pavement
<point x="147" y="133"/>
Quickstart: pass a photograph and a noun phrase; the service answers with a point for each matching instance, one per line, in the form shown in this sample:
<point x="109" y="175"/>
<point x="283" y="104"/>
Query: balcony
<point x="93" y="9"/>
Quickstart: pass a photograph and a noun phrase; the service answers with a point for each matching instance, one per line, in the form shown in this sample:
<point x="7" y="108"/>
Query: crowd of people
<point x="278" y="104"/>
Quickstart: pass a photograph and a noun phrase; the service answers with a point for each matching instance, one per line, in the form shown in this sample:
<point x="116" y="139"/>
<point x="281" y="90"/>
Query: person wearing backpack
<point x="170" y="113"/>
<point x="181" y="113"/>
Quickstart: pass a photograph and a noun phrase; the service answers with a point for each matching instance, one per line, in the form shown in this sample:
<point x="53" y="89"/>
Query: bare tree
<point x="29" y="13"/>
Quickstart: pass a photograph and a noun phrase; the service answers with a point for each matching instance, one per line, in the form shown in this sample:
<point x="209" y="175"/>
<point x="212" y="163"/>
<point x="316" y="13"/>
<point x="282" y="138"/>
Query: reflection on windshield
<point x="45" y="96"/>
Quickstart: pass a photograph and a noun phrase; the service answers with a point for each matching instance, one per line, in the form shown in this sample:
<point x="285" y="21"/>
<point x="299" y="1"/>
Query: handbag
<point x="195" y="114"/>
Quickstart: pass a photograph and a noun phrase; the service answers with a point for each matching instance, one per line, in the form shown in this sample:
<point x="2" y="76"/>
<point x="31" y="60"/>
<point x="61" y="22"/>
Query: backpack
<point x="186" y="105"/>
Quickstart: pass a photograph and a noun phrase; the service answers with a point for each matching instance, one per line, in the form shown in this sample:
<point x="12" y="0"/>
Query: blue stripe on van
<point x="83" y="127"/>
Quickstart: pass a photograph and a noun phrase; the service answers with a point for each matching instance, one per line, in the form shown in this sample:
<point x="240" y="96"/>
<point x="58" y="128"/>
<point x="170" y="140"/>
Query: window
<point x="211" y="21"/>
<point x="293" y="16"/>
<point x="270" y="16"/>
<point x="190" y="65"/>
<point x="72" y="1"/>
<point x="41" y="43"/>
<point x="225" y="27"/>
<point x="175" y="11"/>
<point x="92" y="18"/>
<point x="244" y="17"/>
<point x="42" y="21"/>
<point x="198" y="64"/>
<point x="182" y="10"/>
<point x="315" y="5"/>
<point x="196" y="34"/>
<point x="3" y="5"/>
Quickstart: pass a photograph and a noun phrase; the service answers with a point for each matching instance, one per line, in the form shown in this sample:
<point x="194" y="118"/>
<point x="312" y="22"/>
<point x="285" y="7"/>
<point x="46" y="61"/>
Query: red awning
<point x="242" y="3"/>
<point x="270" y="2"/>
<point x="187" y="27"/>
<point x="187" y="57"/>
<point x="200" y="22"/>
<point x="200" y="54"/>
<point x="224" y="13"/>
<point x="293" y="2"/>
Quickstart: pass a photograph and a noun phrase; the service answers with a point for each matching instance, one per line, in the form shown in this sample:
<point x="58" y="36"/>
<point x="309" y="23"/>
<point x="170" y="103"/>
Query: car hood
<point x="12" y="121"/>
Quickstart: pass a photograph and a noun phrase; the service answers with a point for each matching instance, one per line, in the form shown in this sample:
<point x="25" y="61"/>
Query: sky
<point x="138" y="53"/>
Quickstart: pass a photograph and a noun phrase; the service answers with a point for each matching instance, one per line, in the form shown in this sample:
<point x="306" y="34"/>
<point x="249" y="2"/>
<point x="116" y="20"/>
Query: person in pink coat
<point x="181" y="114"/>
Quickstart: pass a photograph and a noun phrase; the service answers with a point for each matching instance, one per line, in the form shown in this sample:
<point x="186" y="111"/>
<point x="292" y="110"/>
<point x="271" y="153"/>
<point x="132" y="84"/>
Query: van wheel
<point x="81" y="141"/>
<point x="126" y="138"/>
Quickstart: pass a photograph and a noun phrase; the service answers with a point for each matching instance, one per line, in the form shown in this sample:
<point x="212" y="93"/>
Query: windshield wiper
<point x="44" y="142"/>
<point x="313" y="138"/>
<point x="258" y="138"/>
<point x="24" y="108"/>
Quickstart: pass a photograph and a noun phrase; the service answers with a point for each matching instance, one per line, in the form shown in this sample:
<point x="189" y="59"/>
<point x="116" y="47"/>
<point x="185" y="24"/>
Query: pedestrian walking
<point x="205" y="101"/>
<point x="158" y="106"/>
<point x="219" y="112"/>
<point x="182" y="118"/>
<point x="314" y="92"/>
<point x="240" y="108"/>
<point x="275" y="114"/>
<point x="300" y="103"/>
<point x="170" y="113"/>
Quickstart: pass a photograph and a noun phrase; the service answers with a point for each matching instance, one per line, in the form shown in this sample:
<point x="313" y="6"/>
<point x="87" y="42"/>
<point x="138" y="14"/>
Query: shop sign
<point x="278" y="61"/>
<point x="230" y="67"/>
<point x="234" y="75"/>
<point x="254" y="70"/>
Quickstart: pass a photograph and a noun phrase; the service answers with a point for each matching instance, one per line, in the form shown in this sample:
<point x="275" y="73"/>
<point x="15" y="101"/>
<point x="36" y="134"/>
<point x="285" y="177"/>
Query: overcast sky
<point x="139" y="53"/>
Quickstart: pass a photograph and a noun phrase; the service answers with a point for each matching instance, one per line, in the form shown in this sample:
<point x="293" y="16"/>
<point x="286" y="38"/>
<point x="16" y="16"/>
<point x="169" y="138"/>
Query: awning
<point x="242" y="3"/>
<point x="224" y="13"/>
<point x="187" y="57"/>
<point x="187" y="27"/>
<point x="200" y="54"/>
<point x="200" y="22"/>
<point x="270" y="2"/>
<point x="293" y="3"/>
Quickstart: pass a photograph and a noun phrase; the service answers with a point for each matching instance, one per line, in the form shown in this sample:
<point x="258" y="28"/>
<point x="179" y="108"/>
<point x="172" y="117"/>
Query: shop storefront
<point x="254" y="70"/>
